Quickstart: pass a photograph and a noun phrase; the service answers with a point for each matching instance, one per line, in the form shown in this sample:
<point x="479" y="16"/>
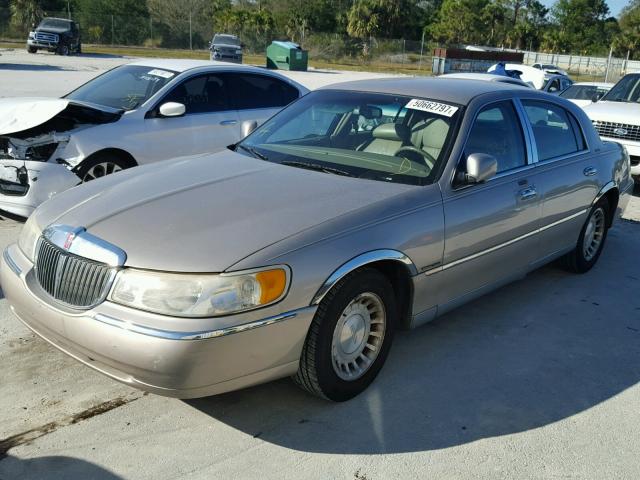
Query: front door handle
<point x="590" y="171"/>
<point x="528" y="193"/>
<point x="228" y="122"/>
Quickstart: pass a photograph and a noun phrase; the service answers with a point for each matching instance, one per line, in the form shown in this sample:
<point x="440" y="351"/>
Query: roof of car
<point x="460" y="91"/>
<point x="182" y="65"/>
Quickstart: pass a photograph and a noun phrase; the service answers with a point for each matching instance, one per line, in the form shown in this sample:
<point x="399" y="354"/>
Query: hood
<point x="34" y="115"/>
<point x="616" y="112"/>
<point x="56" y="30"/>
<point x="205" y="213"/>
<point x="17" y="114"/>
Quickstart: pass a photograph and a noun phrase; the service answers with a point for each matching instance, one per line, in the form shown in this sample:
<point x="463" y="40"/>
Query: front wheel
<point x="100" y="166"/>
<point x="32" y="49"/>
<point x="591" y="240"/>
<point x="350" y="337"/>
<point x="63" y="50"/>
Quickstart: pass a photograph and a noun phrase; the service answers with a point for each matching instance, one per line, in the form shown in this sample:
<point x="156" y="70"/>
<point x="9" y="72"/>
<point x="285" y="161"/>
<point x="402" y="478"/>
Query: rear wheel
<point x="350" y="337"/>
<point x="591" y="240"/>
<point x="101" y="165"/>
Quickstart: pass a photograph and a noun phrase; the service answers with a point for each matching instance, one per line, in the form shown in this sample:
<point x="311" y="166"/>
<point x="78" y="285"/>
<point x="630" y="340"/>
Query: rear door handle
<point x="228" y="122"/>
<point x="528" y="193"/>
<point x="590" y="171"/>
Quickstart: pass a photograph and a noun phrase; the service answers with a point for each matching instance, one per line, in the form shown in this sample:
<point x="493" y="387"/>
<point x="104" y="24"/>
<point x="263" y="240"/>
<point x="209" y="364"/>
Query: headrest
<point x="392" y="131"/>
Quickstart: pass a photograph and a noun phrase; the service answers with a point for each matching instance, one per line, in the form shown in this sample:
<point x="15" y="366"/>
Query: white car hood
<point x="616" y="112"/>
<point x="18" y="114"/>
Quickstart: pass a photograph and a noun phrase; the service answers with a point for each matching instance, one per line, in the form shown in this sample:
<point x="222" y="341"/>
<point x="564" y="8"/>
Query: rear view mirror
<point x="247" y="127"/>
<point x="370" y="112"/>
<point x="480" y="167"/>
<point x="172" y="109"/>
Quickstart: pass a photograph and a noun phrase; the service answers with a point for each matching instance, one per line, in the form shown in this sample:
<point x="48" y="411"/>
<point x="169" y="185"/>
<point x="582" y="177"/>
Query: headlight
<point x="31" y="34"/>
<point x="195" y="295"/>
<point x="29" y="237"/>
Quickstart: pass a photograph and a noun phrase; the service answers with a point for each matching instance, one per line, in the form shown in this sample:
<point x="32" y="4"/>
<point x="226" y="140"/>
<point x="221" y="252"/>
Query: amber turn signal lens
<point x="272" y="284"/>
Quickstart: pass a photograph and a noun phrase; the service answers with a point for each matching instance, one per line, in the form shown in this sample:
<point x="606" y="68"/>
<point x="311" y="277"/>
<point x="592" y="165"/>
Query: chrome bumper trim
<point x="12" y="264"/>
<point x="201" y="335"/>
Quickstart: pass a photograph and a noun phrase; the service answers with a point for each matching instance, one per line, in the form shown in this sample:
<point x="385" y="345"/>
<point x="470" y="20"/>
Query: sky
<point x="615" y="6"/>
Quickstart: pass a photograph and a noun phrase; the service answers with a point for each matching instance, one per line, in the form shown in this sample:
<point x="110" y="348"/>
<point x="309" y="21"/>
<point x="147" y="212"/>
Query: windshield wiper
<point x="317" y="167"/>
<point x="253" y="152"/>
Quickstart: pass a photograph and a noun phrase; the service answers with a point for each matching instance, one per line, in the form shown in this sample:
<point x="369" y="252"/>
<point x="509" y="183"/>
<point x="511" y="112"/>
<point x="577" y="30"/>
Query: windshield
<point x="626" y="90"/>
<point x="55" y="23"/>
<point x="373" y="136"/>
<point x="126" y="87"/>
<point x="583" y="92"/>
<point x="549" y="66"/>
<point x="226" y="40"/>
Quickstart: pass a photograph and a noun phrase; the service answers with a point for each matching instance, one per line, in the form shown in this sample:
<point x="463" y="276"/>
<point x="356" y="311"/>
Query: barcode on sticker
<point x="160" y="73"/>
<point x="432" y="107"/>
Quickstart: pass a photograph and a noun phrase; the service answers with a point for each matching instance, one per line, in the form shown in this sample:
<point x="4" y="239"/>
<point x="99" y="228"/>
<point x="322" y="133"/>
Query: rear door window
<point x="555" y="131"/>
<point x="252" y="91"/>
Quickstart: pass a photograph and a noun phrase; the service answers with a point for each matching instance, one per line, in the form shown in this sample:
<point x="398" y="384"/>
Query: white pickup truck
<point x="616" y="117"/>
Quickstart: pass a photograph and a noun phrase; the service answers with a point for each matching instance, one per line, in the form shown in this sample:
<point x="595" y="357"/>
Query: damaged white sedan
<point x="135" y="114"/>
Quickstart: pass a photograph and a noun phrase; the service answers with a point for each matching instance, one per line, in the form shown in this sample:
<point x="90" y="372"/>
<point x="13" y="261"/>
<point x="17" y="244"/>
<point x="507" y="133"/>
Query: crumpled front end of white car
<point x="32" y="171"/>
<point x="39" y="148"/>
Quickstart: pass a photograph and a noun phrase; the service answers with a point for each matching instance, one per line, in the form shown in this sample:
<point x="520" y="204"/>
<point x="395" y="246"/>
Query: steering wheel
<point x="412" y="152"/>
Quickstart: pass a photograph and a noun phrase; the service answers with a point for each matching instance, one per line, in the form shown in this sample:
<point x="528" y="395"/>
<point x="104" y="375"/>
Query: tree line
<point x="584" y="27"/>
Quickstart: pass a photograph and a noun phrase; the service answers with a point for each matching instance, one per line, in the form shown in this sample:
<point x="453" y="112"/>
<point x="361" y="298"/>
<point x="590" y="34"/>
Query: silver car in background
<point x="358" y="210"/>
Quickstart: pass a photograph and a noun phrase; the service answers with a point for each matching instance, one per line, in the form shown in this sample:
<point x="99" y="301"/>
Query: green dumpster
<point x="287" y="56"/>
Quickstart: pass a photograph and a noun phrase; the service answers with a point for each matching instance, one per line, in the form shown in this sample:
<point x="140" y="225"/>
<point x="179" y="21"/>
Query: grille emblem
<point x="620" y="131"/>
<point x="69" y="240"/>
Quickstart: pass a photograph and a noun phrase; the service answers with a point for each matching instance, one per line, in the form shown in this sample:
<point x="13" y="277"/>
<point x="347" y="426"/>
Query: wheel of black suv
<point x="63" y="49"/>
<point x="32" y="49"/>
<point x="79" y="49"/>
<point x="100" y="165"/>
<point x="350" y="337"/>
<point x="591" y="240"/>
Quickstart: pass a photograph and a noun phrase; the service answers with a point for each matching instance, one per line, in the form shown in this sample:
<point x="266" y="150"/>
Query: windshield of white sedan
<point x="374" y="136"/>
<point x="626" y="90"/>
<point x="125" y="87"/>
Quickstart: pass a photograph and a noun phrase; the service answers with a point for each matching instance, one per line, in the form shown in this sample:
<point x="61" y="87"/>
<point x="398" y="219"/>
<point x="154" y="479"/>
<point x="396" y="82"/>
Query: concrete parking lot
<point x="539" y="380"/>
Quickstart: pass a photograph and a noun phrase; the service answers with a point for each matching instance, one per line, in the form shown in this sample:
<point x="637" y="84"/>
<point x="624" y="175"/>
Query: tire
<point x="358" y="315"/>
<point x="32" y="50"/>
<point x="63" y="50"/>
<point x="586" y="254"/>
<point x="79" y="49"/>
<point x="100" y="165"/>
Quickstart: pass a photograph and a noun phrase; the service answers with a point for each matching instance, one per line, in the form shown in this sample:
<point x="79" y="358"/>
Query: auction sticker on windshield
<point x="160" y="73"/>
<point x="432" y="107"/>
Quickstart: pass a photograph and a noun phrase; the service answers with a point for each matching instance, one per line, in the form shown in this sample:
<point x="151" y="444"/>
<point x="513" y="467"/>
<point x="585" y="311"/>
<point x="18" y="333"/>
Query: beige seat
<point x="387" y="139"/>
<point x="429" y="135"/>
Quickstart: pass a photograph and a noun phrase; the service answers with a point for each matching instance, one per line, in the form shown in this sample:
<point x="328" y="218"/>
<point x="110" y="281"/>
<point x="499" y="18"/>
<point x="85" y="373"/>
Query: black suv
<point x="57" y="35"/>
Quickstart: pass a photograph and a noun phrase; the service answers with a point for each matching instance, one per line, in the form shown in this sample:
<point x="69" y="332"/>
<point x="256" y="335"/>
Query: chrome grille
<point x="46" y="37"/>
<point x="70" y="279"/>
<point x="622" y="131"/>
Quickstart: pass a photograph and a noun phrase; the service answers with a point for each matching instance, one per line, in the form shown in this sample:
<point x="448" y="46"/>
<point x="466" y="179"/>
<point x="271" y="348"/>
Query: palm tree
<point x="25" y="13"/>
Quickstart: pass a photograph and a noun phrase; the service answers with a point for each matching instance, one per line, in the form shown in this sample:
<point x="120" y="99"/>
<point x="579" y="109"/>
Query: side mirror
<point x="480" y="167"/>
<point x="172" y="109"/>
<point x="596" y="97"/>
<point x="247" y="127"/>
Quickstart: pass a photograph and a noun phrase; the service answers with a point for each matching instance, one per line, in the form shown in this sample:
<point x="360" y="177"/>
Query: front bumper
<point x="225" y="57"/>
<point x="42" y="44"/>
<point x="120" y="343"/>
<point x="45" y="179"/>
